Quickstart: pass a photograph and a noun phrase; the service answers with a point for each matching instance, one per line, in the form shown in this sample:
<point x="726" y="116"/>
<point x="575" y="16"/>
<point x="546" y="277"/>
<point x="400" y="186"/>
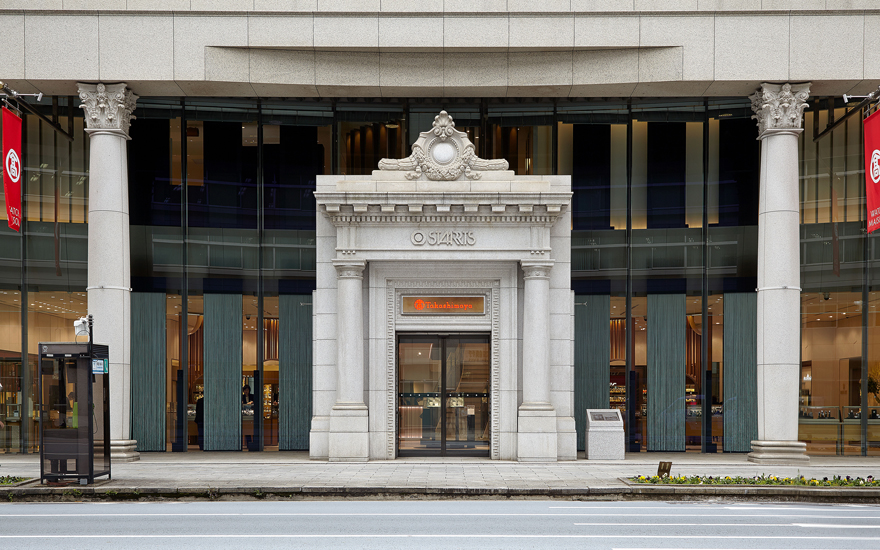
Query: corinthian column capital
<point x="107" y="106"/>
<point x="780" y="106"/>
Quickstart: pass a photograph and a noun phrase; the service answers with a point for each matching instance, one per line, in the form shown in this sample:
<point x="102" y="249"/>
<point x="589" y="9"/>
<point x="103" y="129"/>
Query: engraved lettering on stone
<point x="443" y="238"/>
<point x="443" y="154"/>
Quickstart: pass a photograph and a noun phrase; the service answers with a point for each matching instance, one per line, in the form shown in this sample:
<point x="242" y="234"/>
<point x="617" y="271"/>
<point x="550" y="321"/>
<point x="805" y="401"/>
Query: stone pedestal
<point x="107" y="114"/>
<point x="536" y="418"/>
<point x="779" y="111"/>
<point x="349" y="419"/>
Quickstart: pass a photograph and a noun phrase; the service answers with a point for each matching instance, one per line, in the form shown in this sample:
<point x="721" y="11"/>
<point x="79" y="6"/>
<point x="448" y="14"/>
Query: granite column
<point x="108" y="110"/>
<point x="779" y="111"/>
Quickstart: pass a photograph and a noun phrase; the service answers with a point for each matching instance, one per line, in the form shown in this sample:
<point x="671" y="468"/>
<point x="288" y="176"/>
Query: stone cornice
<point x="380" y="208"/>
<point x="780" y="106"/>
<point x="107" y="106"/>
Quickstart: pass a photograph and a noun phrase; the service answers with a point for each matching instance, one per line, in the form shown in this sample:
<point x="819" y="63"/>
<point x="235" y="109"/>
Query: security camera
<point x="81" y="326"/>
<point x="826" y="295"/>
<point x="248" y="316"/>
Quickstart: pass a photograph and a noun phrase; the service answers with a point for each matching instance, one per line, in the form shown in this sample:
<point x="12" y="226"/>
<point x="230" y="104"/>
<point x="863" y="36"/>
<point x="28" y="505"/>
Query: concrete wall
<point x="434" y="48"/>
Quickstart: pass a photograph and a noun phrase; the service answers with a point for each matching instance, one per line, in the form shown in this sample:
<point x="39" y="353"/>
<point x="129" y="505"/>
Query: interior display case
<point x="617" y="398"/>
<point x="820" y="425"/>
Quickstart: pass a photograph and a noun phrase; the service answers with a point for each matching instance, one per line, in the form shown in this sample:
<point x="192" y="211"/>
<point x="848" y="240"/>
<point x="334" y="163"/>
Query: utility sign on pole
<point x="12" y="169"/>
<point x="872" y="170"/>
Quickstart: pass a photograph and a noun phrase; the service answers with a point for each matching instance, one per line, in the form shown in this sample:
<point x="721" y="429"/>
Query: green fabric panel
<point x="222" y="372"/>
<point x="294" y="371"/>
<point x="667" y="340"/>
<point x="740" y="371"/>
<point x="592" y="358"/>
<point x="148" y="370"/>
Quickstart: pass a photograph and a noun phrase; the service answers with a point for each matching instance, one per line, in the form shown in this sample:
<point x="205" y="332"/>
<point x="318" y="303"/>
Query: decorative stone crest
<point x="780" y="106"/>
<point x="442" y="154"/>
<point x="107" y="106"/>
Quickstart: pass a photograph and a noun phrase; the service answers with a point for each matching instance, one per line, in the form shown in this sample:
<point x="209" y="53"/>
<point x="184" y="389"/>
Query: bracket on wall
<point x="873" y="97"/>
<point x="9" y="94"/>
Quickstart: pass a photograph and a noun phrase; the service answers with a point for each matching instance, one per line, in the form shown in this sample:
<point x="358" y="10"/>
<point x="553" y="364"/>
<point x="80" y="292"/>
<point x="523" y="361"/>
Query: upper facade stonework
<point x="440" y="48"/>
<point x="441" y="154"/>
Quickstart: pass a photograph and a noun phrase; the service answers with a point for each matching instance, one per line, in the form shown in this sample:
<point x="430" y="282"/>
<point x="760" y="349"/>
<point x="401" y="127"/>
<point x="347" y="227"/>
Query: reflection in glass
<point x="443" y="395"/>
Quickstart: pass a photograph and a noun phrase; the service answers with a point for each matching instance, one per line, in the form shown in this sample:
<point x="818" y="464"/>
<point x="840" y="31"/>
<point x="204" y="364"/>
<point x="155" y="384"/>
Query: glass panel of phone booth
<point x="69" y="426"/>
<point x="65" y="418"/>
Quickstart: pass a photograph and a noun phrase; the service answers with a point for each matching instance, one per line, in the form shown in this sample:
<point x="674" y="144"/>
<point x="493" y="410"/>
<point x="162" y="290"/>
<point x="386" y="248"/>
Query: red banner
<point x="872" y="170"/>
<point x="12" y="171"/>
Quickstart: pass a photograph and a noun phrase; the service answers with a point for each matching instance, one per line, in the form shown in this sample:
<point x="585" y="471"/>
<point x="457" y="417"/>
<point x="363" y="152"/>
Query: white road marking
<point x="367" y="514"/>
<point x="695" y="524"/>
<point x="439" y="535"/>
<point x="769" y="508"/>
<point x="832" y="526"/>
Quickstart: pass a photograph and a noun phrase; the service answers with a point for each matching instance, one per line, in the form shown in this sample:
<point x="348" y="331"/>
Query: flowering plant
<point x="763" y="479"/>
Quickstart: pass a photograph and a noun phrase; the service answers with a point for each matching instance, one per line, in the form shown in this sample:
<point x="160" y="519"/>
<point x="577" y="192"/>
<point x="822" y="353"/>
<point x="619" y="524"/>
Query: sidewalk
<point x="292" y="474"/>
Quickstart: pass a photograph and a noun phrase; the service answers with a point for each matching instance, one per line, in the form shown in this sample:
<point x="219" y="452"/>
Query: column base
<point x="536" y="438"/>
<point x="123" y="450"/>
<point x="349" y="438"/>
<point x="319" y="443"/>
<point x="779" y="452"/>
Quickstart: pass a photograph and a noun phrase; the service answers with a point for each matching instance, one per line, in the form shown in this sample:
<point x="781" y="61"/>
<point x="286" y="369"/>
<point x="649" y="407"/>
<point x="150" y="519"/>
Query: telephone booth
<point x="74" y="412"/>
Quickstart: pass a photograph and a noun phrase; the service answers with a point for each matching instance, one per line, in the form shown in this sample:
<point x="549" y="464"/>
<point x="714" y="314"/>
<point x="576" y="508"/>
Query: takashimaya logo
<point x="875" y="166"/>
<point x="13" y="166"/>
<point x="419" y="305"/>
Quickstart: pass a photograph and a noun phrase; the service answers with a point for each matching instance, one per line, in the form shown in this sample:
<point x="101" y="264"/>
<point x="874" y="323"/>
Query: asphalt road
<point x="480" y="525"/>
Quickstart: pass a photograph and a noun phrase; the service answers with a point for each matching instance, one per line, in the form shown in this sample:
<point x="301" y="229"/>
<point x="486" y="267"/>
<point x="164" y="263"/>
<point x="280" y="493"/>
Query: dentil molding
<point x="780" y="106"/>
<point x="107" y="106"/>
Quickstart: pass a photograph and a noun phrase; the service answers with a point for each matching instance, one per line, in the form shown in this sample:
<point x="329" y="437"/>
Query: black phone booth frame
<point x="70" y="414"/>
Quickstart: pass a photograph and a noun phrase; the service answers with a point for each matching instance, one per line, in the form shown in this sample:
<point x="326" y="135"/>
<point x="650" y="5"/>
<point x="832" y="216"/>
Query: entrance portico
<point x="443" y="223"/>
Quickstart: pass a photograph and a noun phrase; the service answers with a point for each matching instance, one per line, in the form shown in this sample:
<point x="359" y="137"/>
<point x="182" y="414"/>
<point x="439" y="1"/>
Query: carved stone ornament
<point x="349" y="269"/>
<point x="107" y="106"/>
<point x="780" y="106"/>
<point x="442" y="154"/>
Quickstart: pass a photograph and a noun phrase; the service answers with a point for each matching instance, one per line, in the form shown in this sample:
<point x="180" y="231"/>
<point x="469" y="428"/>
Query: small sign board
<point x="604" y="416"/>
<point x="100" y="366"/>
<point x="443" y="305"/>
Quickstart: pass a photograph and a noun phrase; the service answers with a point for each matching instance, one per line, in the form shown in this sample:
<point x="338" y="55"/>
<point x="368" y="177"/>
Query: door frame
<point x="443" y="336"/>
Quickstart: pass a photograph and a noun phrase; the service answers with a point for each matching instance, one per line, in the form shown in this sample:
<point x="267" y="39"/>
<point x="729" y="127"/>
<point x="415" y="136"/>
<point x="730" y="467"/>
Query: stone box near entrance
<point x="443" y="222"/>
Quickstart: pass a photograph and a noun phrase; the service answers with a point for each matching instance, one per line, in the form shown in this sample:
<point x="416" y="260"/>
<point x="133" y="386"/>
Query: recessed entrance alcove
<point x="443" y="310"/>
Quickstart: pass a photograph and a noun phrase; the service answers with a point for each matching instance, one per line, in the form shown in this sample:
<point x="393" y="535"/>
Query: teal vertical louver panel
<point x="222" y="376"/>
<point x="667" y="341"/>
<point x="148" y="370"/>
<point x="740" y="371"/>
<point x="592" y="358"/>
<point x="294" y="371"/>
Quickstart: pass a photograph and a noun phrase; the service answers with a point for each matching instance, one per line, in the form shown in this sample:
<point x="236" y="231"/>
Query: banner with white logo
<point x="12" y="170"/>
<point x="872" y="170"/>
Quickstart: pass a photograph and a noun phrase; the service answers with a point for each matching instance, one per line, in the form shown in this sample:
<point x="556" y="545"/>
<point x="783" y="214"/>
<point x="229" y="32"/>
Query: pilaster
<point x="108" y="109"/>
<point x="536" y="422"/>
<point x="779" y="111"/>
<point x="349" y="418"/>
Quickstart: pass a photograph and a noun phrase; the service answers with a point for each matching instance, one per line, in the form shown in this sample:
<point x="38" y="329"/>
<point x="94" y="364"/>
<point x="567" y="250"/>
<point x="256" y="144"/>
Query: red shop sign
<point x="872" y="170"/>
<point x="12" y="168"/>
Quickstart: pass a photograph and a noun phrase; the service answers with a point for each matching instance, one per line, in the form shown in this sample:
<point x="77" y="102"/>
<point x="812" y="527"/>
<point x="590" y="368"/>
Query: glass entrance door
<point x="443" y="395"/>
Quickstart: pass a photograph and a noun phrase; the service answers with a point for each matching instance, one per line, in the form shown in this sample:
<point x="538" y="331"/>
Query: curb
<point x="76" y="493"/>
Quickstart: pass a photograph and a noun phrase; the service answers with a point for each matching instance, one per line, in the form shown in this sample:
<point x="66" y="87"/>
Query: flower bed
<point x="836" y="481"/>
<point x="10" y="480"/>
